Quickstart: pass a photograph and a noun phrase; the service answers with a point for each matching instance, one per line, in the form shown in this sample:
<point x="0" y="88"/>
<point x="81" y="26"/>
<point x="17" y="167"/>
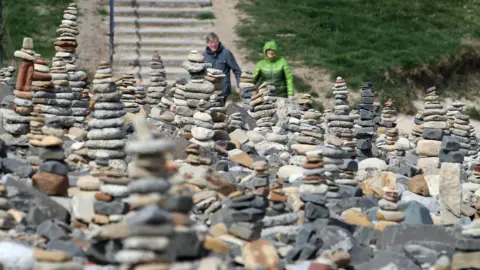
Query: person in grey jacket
<point x="221" y="58"/>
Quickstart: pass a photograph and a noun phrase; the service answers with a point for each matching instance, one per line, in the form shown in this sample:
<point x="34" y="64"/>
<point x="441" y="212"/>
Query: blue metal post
<point x="112" y="30"/>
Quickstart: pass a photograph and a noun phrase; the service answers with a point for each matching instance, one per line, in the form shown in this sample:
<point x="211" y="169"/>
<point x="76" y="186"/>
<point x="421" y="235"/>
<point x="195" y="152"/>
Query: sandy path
<point x="93" y="37"/>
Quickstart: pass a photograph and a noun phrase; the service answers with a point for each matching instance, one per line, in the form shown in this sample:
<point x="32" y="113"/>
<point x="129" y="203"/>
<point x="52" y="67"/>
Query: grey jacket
<point x="223" y="60"/>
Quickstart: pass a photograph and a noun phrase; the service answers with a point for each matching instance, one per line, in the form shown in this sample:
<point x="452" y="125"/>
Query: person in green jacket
<point x="274" y="70"/>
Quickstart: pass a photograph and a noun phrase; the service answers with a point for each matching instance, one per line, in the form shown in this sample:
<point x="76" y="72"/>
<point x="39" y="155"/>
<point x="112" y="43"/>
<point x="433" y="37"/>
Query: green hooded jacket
<point x="275" y="71"/>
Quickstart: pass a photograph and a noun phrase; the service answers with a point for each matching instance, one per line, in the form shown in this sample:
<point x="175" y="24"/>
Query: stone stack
<point x="109" y="206"/>
<point x="293" y="121"/>
<point x="64" y="60"/>
<point x="453" y="109"/>
<point x="248" y="210"/>
<point x="417" y="129"/>
<point x="16" y="120"/>
<point x="62" y="105"/>
<point x="314" y="189"/>
<point x="158" y="83"/>
<point x="197" y="88"/>
<point x="151" y="228"/>
<point x="217" y="78"/>
<point x="193" y="156"/>
<point x="6" y="75"/>
<point x="247" y="88"/>
<point x="80" y="91"/>
<point x="310" y="135"/>
<point x="340" y="153"/>
<point x="235" y="121"/>
<point x="183" y="114"/>
<point x="305" y="102"/>
<point x="264" y="108"/>
<point x="203" y="131"/>
<point x="434" y="126"/>
<point x="467" y="247"/>
<point x="106" y="128"/>
<point x="365" y="124"/>
<point x="461" y="132"/>
<point x="140" y="95"/>
<point x="389" y="207"/>
<point x="126" y="84"/>
<point x="42" y="89"/>
<point x="219" y="115"/>
<point x="52" y="177"/>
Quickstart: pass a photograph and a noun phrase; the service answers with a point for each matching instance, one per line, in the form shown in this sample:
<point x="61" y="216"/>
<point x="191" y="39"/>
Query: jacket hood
<point x="270" y="45"/>
<point x="219" y="49"/>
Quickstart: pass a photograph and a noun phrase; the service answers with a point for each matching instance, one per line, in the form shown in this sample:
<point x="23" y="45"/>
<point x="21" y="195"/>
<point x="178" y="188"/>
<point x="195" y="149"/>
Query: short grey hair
<point x="212" y="36"/>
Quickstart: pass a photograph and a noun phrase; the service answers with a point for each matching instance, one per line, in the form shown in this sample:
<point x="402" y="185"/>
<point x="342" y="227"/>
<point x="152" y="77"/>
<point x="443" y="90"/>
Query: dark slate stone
<point x="51" y="230"/>
<point x="306" y="232"/>
<point x="110" y="208"/>
<point x="55" y="167"/>
<point x="314" y="198"/>
<point x="247" y="230"/>
<point x="222" y="165"/>
<point x="365" y="123"/>
<point x="187" y="245"/>
<point x="403" y="233"/>
<point x="38" y="206"/>
<point x="420" y="254"/>
<point x="308" y="252"/>
<point x="336" y="237"/>
<point x="360" y="254"/>
<point x="294" y="254"/>
<point x="366" y="114"/>
<point x="349" y="165"/>
<point x="314" y="211"/>
<point x="320" y="223"/>
<point x="366" y="235"/>
<point x="362" y="202"/>
<point x="364" y="131"/>
<point x="17" y="167"/>
<point x="66" y="246"/>
<point x="366" y="93"/>
<point x="152" y="214"/>
<point x="248" y="215"/>
<point x="449" y="143"/>
<point x="366" y="100"/>
<point x="3" y="149"/>
<point x="467" y="244"/>
<point x="452" y="156"/>
<point x="436" y="246"/>
<point x="417" y="121"/>
<point x="388" y="260"/>
<point x="432" y="134"/>
<point x="182" y="204"/>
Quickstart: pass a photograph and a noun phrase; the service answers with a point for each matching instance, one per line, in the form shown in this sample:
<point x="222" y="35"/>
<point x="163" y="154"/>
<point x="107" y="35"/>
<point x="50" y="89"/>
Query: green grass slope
<point x="37" y="19"/>
<point x="399" y="45"/>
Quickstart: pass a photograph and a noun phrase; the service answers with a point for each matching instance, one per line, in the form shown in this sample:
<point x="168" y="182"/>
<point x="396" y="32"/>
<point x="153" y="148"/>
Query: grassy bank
<point x="399" y="45"/>
<point x="37" y="19"/>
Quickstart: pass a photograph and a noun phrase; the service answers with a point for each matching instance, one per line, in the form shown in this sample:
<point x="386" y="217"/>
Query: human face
<point x="270" y="54"/>
<point x="213" y="45"/>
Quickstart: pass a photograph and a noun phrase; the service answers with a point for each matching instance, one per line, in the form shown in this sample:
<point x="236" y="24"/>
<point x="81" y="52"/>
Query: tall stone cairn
<point x="217" y="78"/>
<point x="365" y="124"/>
<point x="52" y="177"/>
<point x="453" y="109"/>
<point x="219" y="115"/>
<point x="183" y="114"/>
<point x="150" y="227"/>
<point x="158" y="82"/>
<point x="434" y="125"/>
<point x="461" y="131"/>
<point x="247" y="88"/>
<point x="203" y="131"/>
<point x="15" y="119"/>
<point x="467" y="247"/>
<point x="341" y="152"/>
<point x="417" y="129"/>
<point x="249" y="209"/>
<point x="126" y="84"/>
<point x="65" y="57"/>
<point x="264" y="108"/>
<point x="42" y="91"/>
<point x="106" y="128"/>
<point x="389" y="122"/>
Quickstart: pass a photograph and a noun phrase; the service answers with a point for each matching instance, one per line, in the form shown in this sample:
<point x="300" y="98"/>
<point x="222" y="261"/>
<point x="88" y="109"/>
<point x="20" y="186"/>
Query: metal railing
<point x="112" y="31"/>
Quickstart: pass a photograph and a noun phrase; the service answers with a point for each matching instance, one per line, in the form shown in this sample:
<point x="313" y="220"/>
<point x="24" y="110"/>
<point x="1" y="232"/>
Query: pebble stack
<point x="126" y="84"/>
<point x="247" y="88"/>
<point x="16" y="120"/>
<point x="310" y="135"/>
<point x="61" y="106"/>
<point x="6" y="74"/>
<point x="149" y="244"/>
<point x="461" y="132"/>
<point x="106" y="128"/>
<point x="453" y="109"/>
<point x="165" y="105"/>
<point x="248" y="210"/>
<point x="41" y="95"/>
<point x="218" y="113"/>
<point x="388" y="121"/>
<point x="263" y="108"/>
<point x="193" y="156"/>
<point x="140" y="95"/>
<point x="158" y="83"/>
<point x="417" y="129"/>
<point x="341" y="151"/>
<point x="365" y="124"/>
<point x="389" y="211"/>
<point x="434" y="126"/>
<point x="293" y="121"/>
<point x="65" y="57"/>
<point x="235" y="121"/>
<point x="197" y="88"/>
<point x="217" y="78"/>
<point x="7" y="221"/>
<point x="183" y="114"/>
<point x="203" y="131"/>
<point x="52" y="177"/>
<point x="467" y="247"/>
<point x="80" y="91"/>
<point x="314" y="189"/>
